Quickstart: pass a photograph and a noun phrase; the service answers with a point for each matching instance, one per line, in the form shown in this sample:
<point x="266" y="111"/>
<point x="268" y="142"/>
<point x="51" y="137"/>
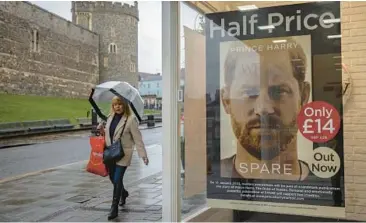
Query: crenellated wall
<point x="117" y="25"/>
<point x="106" y="7"/>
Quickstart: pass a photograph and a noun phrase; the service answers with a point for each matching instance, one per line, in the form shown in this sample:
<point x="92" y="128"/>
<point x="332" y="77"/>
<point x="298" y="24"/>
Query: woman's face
<point x="118" y="108"/>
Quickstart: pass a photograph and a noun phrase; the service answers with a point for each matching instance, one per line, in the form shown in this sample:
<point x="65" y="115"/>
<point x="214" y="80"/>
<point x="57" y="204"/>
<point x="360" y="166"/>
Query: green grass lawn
<point x="27" y="108"/>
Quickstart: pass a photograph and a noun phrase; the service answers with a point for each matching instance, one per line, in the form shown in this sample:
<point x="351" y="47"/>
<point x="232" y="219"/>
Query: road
<point x="26" y="159"/>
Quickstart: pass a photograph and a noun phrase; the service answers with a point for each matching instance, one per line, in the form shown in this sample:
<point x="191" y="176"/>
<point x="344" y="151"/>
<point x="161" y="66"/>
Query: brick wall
<point x="66" y="63"/>
<point x="354" y="56"/>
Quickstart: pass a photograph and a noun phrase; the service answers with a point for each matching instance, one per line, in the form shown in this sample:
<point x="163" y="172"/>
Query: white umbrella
<point x="102" y="94"/>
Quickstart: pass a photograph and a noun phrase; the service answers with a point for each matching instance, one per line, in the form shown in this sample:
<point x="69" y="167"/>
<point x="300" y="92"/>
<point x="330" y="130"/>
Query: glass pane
<point x="264" y="157"/>
<point x="192" y="110"/>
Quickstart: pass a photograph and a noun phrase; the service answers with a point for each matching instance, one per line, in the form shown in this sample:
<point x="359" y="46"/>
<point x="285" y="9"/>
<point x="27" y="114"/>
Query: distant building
<point x="150" y="88"/>
<point x="151" y="91"/>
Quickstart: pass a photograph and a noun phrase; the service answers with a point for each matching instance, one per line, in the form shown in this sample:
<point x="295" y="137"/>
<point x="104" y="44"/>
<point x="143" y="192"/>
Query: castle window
<point x="132" y="67"/>
<point x="112" y="48"/>
<point x="84" y="19"/>
<point x="35" y="41"/>
<point x="113" y="32"/>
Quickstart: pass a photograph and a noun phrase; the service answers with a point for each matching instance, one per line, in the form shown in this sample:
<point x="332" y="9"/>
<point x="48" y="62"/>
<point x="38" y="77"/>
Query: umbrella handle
<point x="94" y="105"/>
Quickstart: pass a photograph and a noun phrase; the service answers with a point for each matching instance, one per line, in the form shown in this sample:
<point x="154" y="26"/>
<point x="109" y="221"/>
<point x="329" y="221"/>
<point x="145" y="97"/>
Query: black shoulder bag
<point x="114" y="152"/>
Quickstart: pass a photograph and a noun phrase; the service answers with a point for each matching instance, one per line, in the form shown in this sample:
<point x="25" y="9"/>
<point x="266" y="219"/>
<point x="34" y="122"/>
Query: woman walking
<point x="122" y="125"/>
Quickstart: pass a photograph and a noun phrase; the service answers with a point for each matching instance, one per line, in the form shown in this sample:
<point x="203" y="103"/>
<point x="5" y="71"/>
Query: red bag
<point x="95" y="164"/>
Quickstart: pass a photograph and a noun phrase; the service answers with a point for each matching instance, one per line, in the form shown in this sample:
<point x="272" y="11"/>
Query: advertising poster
<point x="274" y="129"/>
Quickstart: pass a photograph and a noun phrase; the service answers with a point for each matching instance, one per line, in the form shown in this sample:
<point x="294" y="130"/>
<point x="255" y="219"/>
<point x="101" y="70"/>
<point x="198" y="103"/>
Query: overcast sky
<point x="149" y="32"/>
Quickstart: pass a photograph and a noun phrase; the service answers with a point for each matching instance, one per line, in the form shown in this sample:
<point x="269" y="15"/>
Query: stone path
<point x="71" y="194"/>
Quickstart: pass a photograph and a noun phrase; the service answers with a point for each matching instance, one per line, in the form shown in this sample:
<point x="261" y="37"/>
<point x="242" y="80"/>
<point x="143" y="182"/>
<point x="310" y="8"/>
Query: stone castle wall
<point x="106" y="8"/>
<point x="117" y="25"/>
<point x="44" y="54"/>
<point x="121" y="65"/>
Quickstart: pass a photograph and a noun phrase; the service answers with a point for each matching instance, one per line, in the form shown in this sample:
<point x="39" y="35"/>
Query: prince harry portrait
<point x="264" y="89"/>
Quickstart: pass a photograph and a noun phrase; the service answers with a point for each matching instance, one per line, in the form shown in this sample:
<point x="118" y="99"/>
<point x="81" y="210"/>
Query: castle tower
<point x="117" y="26"/>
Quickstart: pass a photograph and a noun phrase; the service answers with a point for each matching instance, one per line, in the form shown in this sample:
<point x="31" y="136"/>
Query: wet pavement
<point x="69" y="193"/>
<point x="26" y="140"/>
<point x="49" y="152"/>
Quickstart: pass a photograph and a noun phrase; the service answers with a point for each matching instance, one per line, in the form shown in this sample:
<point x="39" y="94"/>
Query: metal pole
<point x="170" y="112"/>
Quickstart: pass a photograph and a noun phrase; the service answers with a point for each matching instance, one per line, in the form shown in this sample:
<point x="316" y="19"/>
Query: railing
<point x="157" y="118"/>
<point x="26" y="128"/>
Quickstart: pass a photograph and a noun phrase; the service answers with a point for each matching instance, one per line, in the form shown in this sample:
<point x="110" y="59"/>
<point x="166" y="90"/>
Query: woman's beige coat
<point x="131" y="137"/>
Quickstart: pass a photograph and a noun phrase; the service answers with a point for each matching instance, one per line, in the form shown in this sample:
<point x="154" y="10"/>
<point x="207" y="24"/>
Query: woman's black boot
<point x="113" y="213"/>
<point x="124" y="195"/>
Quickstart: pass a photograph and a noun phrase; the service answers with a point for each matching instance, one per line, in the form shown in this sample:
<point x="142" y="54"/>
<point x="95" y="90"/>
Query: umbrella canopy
<point x="101" y="96"/>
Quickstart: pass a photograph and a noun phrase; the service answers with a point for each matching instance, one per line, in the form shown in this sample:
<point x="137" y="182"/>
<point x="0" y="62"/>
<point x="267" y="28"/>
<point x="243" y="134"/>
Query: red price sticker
<point x="319" y="121"/>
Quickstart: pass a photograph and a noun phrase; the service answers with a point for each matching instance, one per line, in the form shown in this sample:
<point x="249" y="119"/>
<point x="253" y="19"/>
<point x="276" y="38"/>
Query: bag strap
<point x="124" y="125"/>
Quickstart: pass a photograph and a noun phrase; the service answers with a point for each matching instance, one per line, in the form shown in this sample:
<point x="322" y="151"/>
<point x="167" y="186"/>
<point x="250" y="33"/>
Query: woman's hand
<point x="146" y="160"/>
<point x="100" y="128"/>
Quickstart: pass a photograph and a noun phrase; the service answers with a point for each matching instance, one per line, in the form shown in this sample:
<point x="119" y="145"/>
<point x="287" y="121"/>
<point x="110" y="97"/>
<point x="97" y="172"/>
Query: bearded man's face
<point x="264" y="101"/>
